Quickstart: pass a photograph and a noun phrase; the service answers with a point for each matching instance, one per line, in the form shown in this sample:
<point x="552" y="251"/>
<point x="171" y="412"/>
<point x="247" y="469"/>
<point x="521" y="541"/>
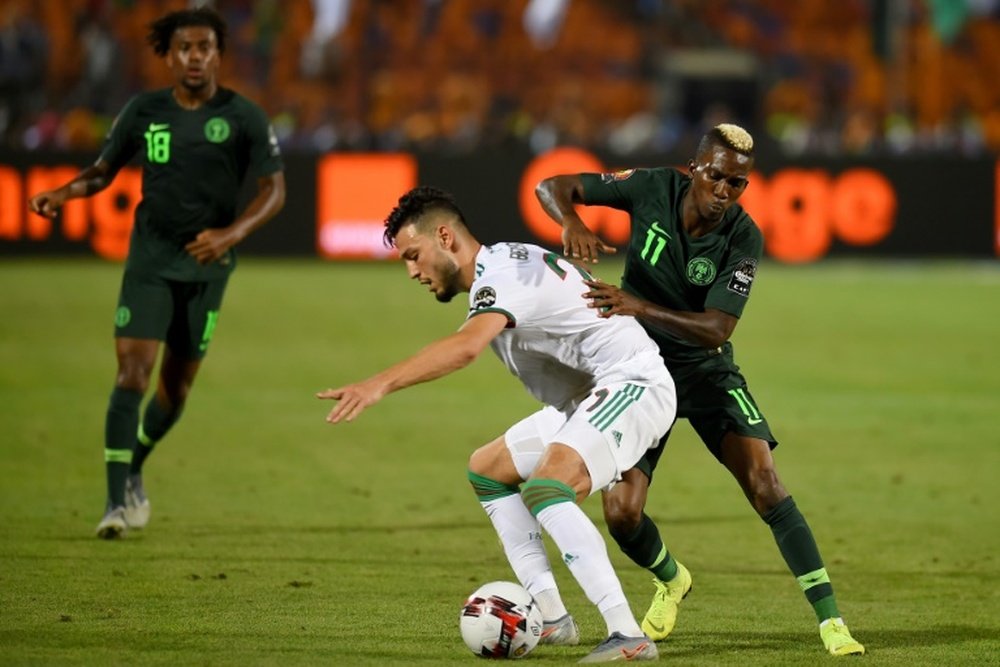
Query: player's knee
<point x="564" y="464"/>
<point x="621" y="515"/>
<point x="133" y="374"/>
<point x="177" y="394"/>
<point x="494" y="461"/>
<point x="479" y="461"/>
<point x="763" y="489"/>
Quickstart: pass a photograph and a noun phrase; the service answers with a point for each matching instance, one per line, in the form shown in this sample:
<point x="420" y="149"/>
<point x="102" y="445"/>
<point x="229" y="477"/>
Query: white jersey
<point x="554" y="343"/>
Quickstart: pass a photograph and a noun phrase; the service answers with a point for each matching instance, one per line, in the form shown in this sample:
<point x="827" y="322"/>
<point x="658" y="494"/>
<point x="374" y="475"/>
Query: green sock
<point x="538" y="494"/>
<point x="647" y="550"/>
<point x="487" y="489"/>
<point x="119" y="434"/>
<point x="156" y="421"/>
<point x="798" y="547"/>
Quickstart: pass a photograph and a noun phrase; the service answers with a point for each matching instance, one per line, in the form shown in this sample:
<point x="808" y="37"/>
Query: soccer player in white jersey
<point x="607" y="394"/>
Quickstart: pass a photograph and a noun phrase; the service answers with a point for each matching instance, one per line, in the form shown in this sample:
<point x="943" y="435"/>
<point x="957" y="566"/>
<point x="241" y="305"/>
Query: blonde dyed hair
<point x="735" y="137"/>
<point x="728" y="135"/>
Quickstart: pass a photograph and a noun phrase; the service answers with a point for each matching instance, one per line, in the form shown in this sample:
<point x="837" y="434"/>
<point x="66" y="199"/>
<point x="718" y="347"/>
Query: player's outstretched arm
<point x="557" y="195"/>
<point x="211" y="244"/>
<point x="438" y="359"/>
<point x="709" y="329"/>
<point x="91" y="180"/>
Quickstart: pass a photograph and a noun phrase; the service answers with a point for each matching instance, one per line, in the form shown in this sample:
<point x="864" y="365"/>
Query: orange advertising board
<point x="104" y="220"/>
<point x="354" y="193"/>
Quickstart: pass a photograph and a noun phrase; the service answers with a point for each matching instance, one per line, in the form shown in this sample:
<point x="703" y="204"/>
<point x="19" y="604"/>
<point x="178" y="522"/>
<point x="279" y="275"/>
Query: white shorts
<point x="611" y="430"/>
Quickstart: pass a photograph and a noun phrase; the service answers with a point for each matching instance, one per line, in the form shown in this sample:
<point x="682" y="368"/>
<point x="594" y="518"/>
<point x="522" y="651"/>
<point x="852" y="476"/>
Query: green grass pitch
<point x="277" y="539"/>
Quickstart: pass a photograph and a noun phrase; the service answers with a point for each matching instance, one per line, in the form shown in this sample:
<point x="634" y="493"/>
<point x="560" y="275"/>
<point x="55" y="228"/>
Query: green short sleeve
<point x="265" y="154"/>
<point x="122" y="141"/>
<point x="731" y="288"/>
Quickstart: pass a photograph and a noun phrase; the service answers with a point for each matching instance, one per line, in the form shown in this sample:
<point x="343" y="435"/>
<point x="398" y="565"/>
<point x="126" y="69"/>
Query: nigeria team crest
<point x="701" y="271"/>
<point x="217" y="130"/>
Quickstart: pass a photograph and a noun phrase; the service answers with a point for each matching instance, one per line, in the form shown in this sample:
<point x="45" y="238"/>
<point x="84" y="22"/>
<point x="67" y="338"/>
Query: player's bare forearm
<point x="88" y="182"/>
<point x="557" y="195"/>
<point x="270" y="199"/>
<point x="434" y="361"/>
<point x="438" y="359"/>
<point x="709" y="329"/>
<point x="91" y="180"/>
<point x="211" y="244"/>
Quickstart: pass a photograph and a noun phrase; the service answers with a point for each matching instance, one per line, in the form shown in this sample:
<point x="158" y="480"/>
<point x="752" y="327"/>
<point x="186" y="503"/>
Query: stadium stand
<point x="811" y="77"/>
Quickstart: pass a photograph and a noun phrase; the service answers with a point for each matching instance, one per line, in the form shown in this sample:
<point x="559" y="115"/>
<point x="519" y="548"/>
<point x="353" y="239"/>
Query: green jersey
<point x="666" y="266"/>
<point x="193" y="165"/>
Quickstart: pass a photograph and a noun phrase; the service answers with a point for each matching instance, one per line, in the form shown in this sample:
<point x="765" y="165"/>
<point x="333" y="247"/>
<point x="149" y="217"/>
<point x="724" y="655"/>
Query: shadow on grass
<point x="386" y="529"/>
<point x="709" y="643"/>
<point x="235" y="528"/>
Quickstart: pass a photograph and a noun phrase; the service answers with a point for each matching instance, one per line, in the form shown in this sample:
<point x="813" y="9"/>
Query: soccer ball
<point x="500" y="620"/>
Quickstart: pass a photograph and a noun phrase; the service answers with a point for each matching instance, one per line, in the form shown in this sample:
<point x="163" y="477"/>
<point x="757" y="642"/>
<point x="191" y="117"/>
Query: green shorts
<point x="713" y="396"/>
<point x="182" y="314"/>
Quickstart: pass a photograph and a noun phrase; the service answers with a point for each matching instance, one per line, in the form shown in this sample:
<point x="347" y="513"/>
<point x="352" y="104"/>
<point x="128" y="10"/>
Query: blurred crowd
<point x="624" y="76"/>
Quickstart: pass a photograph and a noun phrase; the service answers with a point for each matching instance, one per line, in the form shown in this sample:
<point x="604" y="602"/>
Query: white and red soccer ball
<point x="501" y="620"/>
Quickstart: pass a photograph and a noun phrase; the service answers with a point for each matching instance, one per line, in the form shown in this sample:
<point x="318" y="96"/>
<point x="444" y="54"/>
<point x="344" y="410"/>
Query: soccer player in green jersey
<point x="197" y="141"/>
<point x="690" y="263"/>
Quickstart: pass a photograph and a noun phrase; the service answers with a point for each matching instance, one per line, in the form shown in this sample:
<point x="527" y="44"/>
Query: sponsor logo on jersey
<point x="217" y="130"/>
<point x="659" y="230"/>
<point x="613" y="176"/>
<point x="742" y="279"/>
<point x="701" y="271"/>
<point x="484" y="298"/>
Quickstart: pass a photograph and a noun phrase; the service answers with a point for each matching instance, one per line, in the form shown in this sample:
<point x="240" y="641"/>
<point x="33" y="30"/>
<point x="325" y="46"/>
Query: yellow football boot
<point x="662" y="614"/>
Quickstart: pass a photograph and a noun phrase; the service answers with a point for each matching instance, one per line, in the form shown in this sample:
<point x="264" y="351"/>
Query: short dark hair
<point x="414" y="205"/>
<point x="730" y="136"/>
<point x="161" y="31"/>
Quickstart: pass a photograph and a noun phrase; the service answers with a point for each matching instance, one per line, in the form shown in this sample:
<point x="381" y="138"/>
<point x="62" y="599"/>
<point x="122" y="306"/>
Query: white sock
<point x="620" y="617"/>
<point x="550" y="604"/>
<point x="586" y="555"/>
<point x="521" y="536"/>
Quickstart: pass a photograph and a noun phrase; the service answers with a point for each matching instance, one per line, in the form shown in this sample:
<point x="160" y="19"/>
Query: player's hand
<point x="611" y="300"/>
<point x="581" y="243"/>
<point x="47" y="203"/>
<point x="210" y="245"/>
<point x="352" y="399"/>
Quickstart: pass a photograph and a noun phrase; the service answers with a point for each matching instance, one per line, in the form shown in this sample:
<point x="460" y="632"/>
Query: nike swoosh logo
<point x="753" y="421"/>
<point x="659" y="230"/>
<point x="156" y="127"/>
<point x="657" y="628"/>
<point x="628" y="655"/>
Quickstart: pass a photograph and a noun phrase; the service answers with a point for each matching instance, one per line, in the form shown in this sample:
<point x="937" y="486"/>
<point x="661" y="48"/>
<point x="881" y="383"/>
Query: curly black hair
<point x="162" y="29"/>
<point x="414" y="205"/>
